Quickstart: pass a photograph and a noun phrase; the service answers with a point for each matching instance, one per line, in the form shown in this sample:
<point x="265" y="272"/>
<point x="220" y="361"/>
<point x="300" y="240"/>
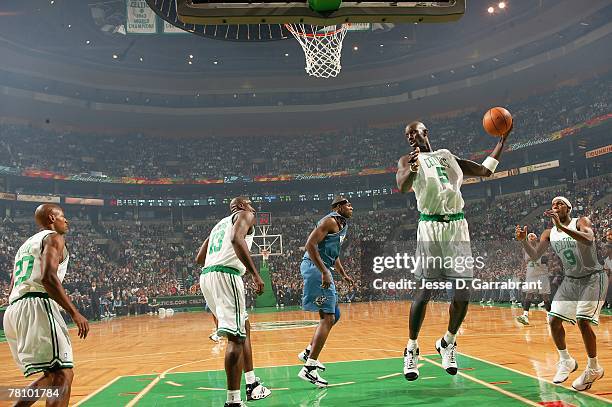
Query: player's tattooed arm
<point x="474" y="169"/>
<point x="329" y="225"/>
<point x="245" y="220"/>
<point x="583" y="235"/>
<point x="52" y="254"/>
<point x="201" y="256"/>
<point x="534" y="252"/>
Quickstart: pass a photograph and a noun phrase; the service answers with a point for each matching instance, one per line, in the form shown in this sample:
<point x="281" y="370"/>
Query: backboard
<point x="284" y="12"/>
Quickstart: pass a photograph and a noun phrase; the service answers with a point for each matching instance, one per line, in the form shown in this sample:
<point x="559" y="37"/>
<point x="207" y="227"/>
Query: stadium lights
<point x="141" y="59"/>
<point x="87" y="42"/>
<point x="501" y="5"/>
<point x="215" y="62"/>
<point x="490" y="10"/>
<point x="115" y="56"/>
<point x="355" y="48"/>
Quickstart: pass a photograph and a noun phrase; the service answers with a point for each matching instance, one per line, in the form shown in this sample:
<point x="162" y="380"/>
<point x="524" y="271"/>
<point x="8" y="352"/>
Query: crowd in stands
<point x="119" y="268"/>
<point x="148" y="157"/>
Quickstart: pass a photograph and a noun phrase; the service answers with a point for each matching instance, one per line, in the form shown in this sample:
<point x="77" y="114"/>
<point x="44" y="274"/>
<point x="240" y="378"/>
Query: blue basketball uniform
<point x="315" y="297"/>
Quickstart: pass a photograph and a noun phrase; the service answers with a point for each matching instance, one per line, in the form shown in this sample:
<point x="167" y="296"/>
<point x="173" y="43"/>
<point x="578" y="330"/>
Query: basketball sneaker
<point x="564" y="368"/>
<point x="411" y="362"/>
<point x="310" y="374"/>
<point x="257" y="390"/>
<point x="303" y="356"/>
<point x="449" y="359"/>
<point x="523" y="319"/>
<point x="237" y="404"/>
<point x="587" y="378"/>
<point x="214" y="337"/>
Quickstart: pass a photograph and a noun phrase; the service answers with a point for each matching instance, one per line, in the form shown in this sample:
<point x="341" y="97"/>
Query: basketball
<point x="497" y="121"/>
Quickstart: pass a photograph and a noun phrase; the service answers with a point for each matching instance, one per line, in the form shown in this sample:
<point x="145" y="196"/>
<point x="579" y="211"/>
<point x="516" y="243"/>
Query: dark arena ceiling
<point x="59" y="58"/>
<point x="94" y="32"/>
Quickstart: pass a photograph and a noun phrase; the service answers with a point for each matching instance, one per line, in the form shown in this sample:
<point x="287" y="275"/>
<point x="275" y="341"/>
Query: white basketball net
<point x="322" y="47"/>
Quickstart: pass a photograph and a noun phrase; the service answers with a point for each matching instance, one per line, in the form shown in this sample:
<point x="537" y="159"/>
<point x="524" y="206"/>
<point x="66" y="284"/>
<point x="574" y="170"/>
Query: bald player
<point x="581" y="295"/>
<point x="226" y="257"/>
<point x="35" y="330"/>
<point x="436" y="177"/>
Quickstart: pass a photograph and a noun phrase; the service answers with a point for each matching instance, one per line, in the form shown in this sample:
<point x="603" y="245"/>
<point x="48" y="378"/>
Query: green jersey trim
<point x="221" y="269"/>
<point x="441" y="218"/>
<point x="34" y="294"/>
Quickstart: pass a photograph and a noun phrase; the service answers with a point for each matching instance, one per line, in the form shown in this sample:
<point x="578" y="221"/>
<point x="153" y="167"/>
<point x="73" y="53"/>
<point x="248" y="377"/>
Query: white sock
<point x="412" y="344"/>
<point x="449" y="337"/>
<point x="311" y="362"/>
<point x="233" y="396"/>
<point x="309" y="347"/>
<point x="526" y="314"/>
<point x="564" y="354"/>
<point x="593" y="363"/>
<point x="249" y="377"/>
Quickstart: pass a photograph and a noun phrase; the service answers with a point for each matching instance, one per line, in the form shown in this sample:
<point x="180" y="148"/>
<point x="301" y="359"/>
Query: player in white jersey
<point x="436" y="178"/>
<point x="581" y="294"/>
<point x="537" y="272"/>
<point x="35" y="330"/>
<point x="226" y="257"/>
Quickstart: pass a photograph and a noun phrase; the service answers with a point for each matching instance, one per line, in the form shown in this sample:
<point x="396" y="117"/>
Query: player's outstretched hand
<point x="504" y="136"/>
<point x="326" y="279"/>
<point x="82" y="324"/>
<point x="554" y="216"/>
<point x="259" y="284"/>
<point x="520" y="233"/>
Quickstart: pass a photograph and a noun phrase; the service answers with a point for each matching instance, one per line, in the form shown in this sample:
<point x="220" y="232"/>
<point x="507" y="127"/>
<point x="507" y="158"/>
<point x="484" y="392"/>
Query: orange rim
<point x="317" y="35"/>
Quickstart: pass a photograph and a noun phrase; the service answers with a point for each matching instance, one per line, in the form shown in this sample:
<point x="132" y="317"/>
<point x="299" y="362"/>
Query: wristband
<point x="490" y="164"/>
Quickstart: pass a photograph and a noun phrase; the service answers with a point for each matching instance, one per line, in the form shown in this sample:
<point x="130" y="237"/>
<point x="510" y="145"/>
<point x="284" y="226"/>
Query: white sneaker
<point x="564" y="368"/>
<point x="587" y="378"/>
<point x="523" y="319"/>
<point x="257" y="390"/>
<point x="310" y="374"/>
<point x="411" y="362"/>
<point x="540" y="305"/>
<point x="449" y="359"/>
<point x="214" y="337"/>
<point x="303" y="356"/>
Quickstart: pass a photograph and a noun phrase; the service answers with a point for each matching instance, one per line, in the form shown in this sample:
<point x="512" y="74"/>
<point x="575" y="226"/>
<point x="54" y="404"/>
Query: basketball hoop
<point x="322" y="47"/>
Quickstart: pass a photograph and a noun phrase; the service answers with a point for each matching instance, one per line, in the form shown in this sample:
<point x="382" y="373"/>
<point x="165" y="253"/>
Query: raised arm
<point x="583" y="235"/>
<point x="329" y="225"/>
<point x="51" y="258"/>
<point x="487" y="168"/>
<point x="201" y="256"/>
<point x="244" y="222"/>
<point x="536" y="252"/>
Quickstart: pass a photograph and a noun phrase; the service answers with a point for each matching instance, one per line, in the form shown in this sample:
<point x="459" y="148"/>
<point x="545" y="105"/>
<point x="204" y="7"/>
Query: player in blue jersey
<point x="321" y="258"/>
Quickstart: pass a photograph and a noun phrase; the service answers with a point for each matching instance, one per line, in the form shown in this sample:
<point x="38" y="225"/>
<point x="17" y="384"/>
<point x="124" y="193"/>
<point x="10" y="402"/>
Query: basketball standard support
<point x="273" y="246"/>
<point x="284" y="12"/>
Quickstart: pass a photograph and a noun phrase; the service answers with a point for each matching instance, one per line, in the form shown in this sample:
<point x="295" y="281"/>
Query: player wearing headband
<point x="321" y="258"/>
<point x="581" y="294"/>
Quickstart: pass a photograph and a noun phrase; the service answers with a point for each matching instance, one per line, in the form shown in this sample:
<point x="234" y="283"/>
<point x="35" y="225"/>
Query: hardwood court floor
<point x="490" y="340"/>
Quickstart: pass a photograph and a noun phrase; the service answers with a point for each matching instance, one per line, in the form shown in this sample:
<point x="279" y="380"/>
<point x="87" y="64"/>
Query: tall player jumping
<point x="537" y="272"/>
<point x="35" y="330"/>
<point x="436" y="178"/>
<point x="226" y="257"/>
<point x="321" y="258"/>
<point x="582" y="292"/>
